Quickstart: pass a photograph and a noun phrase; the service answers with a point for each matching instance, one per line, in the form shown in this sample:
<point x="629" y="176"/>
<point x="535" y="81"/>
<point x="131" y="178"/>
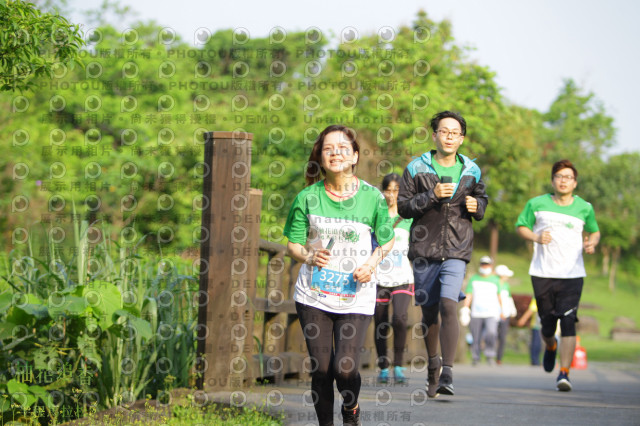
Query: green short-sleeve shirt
<point x="313" y="220"/>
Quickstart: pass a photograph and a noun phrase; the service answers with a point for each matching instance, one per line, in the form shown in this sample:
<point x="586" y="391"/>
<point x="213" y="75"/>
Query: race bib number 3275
<point x="334" y="283"/>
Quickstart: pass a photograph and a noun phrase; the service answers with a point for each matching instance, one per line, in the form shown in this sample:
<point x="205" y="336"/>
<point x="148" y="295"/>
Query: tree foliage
<point x="577" y="126"/>
<point x="613" y="188"/>
<point x="128" y="128"/>
<point x="33" y="44"/>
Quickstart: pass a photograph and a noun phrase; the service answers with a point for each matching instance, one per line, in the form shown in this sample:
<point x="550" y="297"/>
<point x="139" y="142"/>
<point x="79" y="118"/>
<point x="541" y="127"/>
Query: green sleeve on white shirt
<point x="527" y="217"/>
<point x="297" y="225"/>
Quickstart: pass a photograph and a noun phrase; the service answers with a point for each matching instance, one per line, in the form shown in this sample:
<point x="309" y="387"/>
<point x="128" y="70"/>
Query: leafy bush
<point x="93" y="332"/>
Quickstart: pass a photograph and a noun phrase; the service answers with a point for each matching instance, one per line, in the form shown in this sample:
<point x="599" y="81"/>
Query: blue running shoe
<point x="383" y="377"/>
<point x="562" y="382"/>
<point x="549" y="358"/>
<point x="398" y="374"/>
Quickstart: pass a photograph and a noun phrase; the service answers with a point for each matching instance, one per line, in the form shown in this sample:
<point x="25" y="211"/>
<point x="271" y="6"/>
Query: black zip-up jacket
<point x="441" y="229"/>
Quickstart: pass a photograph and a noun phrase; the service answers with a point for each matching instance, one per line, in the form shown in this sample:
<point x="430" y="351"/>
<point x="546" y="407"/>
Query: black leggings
<point x="334" y="342"/>
<point x="445" y="330"/>
<point x="400" y="297"/>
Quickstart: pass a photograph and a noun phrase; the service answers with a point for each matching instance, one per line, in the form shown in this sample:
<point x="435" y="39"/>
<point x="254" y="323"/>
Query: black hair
<point x="435" y="120"/>
<point x="391" y="177"/>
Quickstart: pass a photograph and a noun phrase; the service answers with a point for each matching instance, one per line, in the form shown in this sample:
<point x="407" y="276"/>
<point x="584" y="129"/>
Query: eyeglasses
<point x="563" y="177"/>
<point x="445" y="133"/>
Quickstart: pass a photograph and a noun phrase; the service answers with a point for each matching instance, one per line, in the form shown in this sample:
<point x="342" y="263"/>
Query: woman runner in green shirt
<point x="329" y="230"/>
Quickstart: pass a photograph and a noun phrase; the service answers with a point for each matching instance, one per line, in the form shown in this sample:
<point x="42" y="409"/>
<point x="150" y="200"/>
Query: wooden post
<point x="251" y="253"/>
<point x="226" y="191"/>
<point x="295" y="338"/>
<point x="275" y="324"/>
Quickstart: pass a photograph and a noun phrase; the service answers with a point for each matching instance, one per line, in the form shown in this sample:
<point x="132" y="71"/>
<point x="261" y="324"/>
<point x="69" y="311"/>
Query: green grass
<point x="221" y="415"/>
<point x="600" y="349"/>
<point x="188" y="415"/>
<point x="516" y="358"/>
<point x="597" y="301"/>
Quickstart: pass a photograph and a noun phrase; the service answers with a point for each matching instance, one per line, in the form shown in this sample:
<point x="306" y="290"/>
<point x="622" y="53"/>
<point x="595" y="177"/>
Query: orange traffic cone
<point x="579" y="356"/>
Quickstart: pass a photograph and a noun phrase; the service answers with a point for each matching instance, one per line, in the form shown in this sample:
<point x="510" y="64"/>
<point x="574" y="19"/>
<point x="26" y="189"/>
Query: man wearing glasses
<point x="556" y="224"/>
<point x="442" y="192"/>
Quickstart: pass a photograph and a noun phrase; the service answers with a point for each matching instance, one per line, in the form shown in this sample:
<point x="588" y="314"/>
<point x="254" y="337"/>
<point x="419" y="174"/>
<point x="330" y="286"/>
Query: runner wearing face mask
<point x="483" y="298"/>
<point x="485" y="270"/>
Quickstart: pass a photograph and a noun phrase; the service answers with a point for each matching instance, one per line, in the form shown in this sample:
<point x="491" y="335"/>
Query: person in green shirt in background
<point x="483" y="300"/>
<point x="556" y="224"/>
<point x="508" y="309"/>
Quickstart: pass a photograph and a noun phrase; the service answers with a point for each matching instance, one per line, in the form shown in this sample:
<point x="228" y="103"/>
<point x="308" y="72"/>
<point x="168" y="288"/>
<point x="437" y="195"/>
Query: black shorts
<point x="557" y="298"/>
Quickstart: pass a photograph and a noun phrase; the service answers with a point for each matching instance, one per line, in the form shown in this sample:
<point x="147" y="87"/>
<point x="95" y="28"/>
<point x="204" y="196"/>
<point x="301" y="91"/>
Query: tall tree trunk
<point x="606" y="257"/>
<point x="493" y="240"/>
<point x="612" y="271"/>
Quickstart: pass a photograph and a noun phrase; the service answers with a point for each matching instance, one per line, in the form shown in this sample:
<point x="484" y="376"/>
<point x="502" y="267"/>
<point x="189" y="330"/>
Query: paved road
<point x="502" y="395"/>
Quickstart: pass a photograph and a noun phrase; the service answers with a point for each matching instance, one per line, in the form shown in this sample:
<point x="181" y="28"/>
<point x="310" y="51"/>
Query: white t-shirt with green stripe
<point x="395" y="269"/>
<point x="562" y="257"/>
<point x="313" y="220"/>
<point x="484" y="290"/>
